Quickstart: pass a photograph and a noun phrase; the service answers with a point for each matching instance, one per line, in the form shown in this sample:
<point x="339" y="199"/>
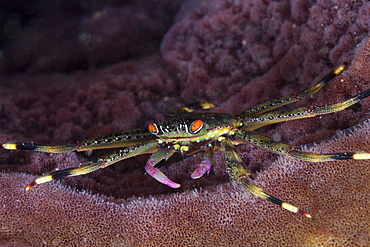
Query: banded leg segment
<point x="102" y="162"/>
<point x="39" y="147"/>
<point x="290" y="151"/>
<point x="237" y="171"/>
<point x="291" y="98"/>
<point x="115" y="140"/>
<point x="301" y="112"/>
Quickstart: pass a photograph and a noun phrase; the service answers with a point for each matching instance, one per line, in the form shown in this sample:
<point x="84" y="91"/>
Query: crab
<point x="191" y="132"/>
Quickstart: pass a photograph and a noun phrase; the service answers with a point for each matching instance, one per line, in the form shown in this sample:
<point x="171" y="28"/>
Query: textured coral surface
<point x="336" y="194"/>
<point x="75" y="71"/>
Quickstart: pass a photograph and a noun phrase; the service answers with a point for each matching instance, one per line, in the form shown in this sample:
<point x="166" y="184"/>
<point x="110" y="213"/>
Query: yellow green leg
<point x="291" y="98"/>
<point x="85" y="168"/>
<point x="238" y="172"/>
<point x="290" y="151"/>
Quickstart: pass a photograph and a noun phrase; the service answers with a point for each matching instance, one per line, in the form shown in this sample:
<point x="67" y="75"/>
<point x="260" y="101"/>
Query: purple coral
<point x="236" y="54"/>
<point x="226" y="214"/>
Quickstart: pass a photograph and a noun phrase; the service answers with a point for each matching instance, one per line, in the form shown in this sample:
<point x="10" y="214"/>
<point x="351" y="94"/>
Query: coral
<point x="233" y="53"/>
<point x="98" y="33"/>
<point x="335" y="193"/>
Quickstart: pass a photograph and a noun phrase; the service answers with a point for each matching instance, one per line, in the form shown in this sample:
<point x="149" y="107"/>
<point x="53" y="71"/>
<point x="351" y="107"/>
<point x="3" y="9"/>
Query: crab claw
<point x="204" y="166"/>
<point x="157" y="174"/>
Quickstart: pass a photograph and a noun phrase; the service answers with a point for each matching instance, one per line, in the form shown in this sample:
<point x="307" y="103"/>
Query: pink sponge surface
<point x="75" y="72"/>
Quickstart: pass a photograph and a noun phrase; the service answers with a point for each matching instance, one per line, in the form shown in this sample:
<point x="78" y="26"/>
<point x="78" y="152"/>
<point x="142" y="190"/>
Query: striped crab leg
<point x="237" y="171"/>
<point x="302" y="112"/>
<point x="291" y="98"/>
<point x="290" y="151"/>
<point x="114" y="140"/>
<point x="107" y="160"/>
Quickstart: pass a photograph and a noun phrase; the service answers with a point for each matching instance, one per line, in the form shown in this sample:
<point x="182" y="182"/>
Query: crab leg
<point x="156" y="173"/>
<point x="237" y="171"/>
<point x="115" y="140"/>
<point x="205" y="165"/>
<point x="39" y="147"/>
<point x="179" y="111"/>
<point x="301" y="112"/>
<point x="291" y="98"/>
<point x="291" y="151"/>
<point x="107" y="160"/>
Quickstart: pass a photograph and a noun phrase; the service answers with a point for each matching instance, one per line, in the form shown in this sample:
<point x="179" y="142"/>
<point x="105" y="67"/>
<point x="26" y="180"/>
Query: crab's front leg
<point x="107" y="160"/>
<point x="238" y="172"/>
<point x="115" y="140"/>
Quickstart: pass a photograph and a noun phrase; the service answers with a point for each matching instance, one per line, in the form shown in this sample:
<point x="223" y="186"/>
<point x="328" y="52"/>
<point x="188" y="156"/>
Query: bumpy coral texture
<point x="335" y="193"/>
<point x="233" y="53"/>
<point x="69" y="35"/>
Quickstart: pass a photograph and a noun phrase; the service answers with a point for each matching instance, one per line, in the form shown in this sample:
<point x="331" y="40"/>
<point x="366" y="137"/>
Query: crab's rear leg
<point x="179" y="111"/>
<point x="291" y="98"/>
<point x="291" y="151"/>
<point x="301" y="112"/>
<point x="107" y="160"/>
<point x="156" y="173"/>
<point x="237" y="171"/>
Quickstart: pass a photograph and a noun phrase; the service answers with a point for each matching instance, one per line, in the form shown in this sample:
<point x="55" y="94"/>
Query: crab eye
<point x="153" y="128"/>
<point x="196" y="126"/>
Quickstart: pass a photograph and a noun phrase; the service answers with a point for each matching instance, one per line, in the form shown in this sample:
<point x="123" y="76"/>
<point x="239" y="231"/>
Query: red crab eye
<point x="153" y="128"/>
<point x="196" y="126"/>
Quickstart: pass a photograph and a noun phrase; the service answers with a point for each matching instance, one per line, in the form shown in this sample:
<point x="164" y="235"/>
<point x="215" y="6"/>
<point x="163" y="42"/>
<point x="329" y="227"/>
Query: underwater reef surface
<point x="336" y="194"/>
<point x="89" y="80"/>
